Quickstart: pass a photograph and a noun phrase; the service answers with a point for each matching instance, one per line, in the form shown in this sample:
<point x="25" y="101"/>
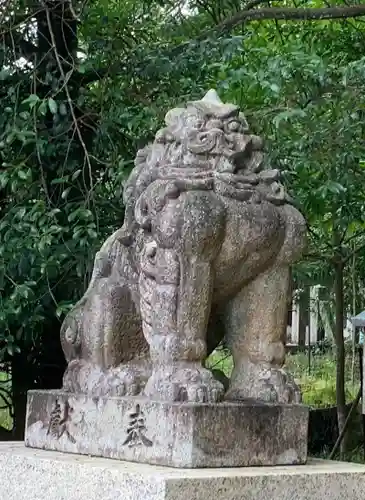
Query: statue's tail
<point x="70" y="336"/>
<point x="71" y="329"/>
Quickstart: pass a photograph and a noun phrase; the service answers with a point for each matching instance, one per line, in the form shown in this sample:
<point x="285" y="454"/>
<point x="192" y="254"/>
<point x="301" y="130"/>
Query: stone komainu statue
<point x="204" y="253"/>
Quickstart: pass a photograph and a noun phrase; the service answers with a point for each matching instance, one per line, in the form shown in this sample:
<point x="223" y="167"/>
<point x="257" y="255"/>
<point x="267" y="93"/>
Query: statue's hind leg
<point x="256" y="329"/>
<point x="113" y="357"/>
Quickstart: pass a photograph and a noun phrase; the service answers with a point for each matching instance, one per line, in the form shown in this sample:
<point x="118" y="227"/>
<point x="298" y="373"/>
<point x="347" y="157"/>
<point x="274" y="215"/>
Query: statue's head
<point x="205" y="145"/>
<point x="210" y="135"/>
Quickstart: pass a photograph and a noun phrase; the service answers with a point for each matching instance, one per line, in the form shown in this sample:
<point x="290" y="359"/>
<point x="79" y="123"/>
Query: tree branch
<point x="350" y="256"/>
<point x="292" y="14"/>
<point x="354" y="236"/>
<point x="314" y="257"/>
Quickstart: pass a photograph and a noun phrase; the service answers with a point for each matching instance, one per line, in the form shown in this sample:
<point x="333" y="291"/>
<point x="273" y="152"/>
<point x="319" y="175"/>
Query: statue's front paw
<point x="281" y="387"/>
<point x="184" y="384"/>
<point x="272" y="385"/>
<point x="126" y="380"/>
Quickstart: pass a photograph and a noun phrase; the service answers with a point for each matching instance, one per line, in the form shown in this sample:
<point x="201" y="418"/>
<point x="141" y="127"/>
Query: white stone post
<point x="313" y="314"/>
<point x="295" y="323"/>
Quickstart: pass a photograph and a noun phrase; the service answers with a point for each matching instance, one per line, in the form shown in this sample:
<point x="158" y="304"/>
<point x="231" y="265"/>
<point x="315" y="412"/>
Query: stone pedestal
<point x="189" y="435"/>
<point x="27" y="474"/>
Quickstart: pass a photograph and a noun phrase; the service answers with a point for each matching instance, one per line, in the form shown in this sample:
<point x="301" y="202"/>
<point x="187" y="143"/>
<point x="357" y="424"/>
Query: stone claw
<point x="121" y="381"/>
<point x="125" y="380"/>
<point x="272" y="385"/>
<point x="184" y="384"/>
<point x="282" y="387"/>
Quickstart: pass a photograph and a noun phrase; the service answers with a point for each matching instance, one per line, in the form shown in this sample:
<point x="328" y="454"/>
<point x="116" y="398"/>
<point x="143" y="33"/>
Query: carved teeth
<point x="151" y="249"/>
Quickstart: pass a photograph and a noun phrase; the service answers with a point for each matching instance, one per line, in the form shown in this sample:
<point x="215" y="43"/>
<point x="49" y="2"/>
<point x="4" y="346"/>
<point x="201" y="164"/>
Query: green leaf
<point x="52" y="106"/>
<point x="92" y="233"/>
<point x="274" y="87"/>
<point x="335" y="187"/>
<point x="73" y="215"/>
<point x="32" y="100"/>
<point x="287" y="115"/>
<point x="65" y="193"/>
<point x="4" y="179"/>
<point x="43" y="108"/>
<point x="23" y="174"/>
<point x="60" y="180"/>
<point x="63" y="109"/>
<point x="76" y="174"/>
<point x="4" y="73"/>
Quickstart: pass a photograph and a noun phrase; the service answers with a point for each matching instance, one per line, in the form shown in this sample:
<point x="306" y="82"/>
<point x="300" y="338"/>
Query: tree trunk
<point x="353" y="279"/>
<point x="325" y="313"/>
<point x="19" y="389"/>
<point x="340" y="351"/>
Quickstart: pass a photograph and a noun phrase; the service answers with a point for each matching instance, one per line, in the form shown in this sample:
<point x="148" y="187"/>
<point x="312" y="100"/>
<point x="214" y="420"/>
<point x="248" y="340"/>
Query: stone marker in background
<point x="204" y="253"/>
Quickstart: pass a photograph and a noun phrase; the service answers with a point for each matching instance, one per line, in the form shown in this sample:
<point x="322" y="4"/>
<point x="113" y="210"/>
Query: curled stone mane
<point x="204" y="146"/>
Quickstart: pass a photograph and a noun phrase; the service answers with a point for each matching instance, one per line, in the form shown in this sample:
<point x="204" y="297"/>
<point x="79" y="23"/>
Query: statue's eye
<point x="194" y="122"/>
<point x="215" y="124"/>
<point x="233" y="126"/>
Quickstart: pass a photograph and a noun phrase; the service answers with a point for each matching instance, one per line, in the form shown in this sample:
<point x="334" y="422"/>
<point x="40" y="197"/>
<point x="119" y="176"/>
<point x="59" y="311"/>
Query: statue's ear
<point x="173" y="116"/>
<point x="244" y="122"/>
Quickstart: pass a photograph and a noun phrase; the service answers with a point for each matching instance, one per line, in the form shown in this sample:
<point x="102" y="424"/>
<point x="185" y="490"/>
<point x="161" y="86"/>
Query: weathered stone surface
<point x="27" y="474"/>
<point x="204" y="252"/>
<point x="229" y="434"/>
